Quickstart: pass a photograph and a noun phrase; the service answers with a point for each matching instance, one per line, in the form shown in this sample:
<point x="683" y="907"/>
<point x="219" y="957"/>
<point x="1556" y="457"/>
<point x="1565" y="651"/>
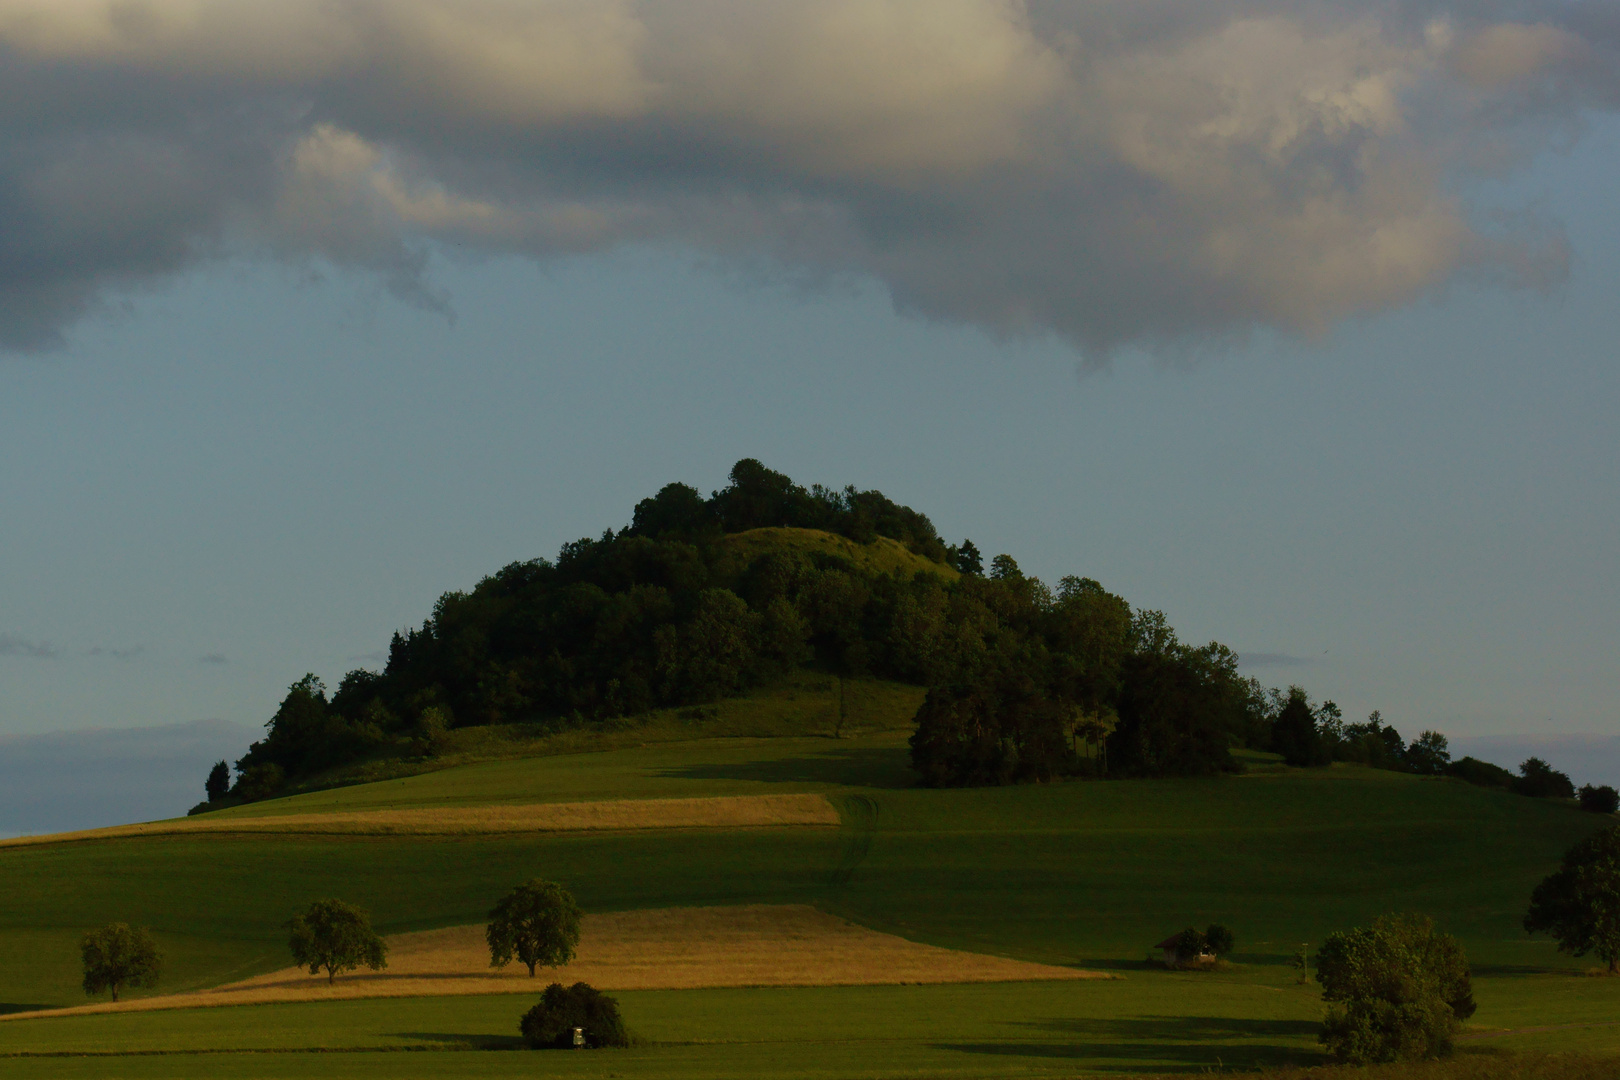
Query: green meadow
<point x="1090" y="874"/>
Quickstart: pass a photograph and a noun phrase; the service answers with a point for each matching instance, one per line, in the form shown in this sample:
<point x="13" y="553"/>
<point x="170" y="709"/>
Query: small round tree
<point x="1579" y="903"/>
<point x="536" y="923"/>
<point x="333" y="936"/>
<point x="1218" y="939"/>
<point x="119" y="955"/>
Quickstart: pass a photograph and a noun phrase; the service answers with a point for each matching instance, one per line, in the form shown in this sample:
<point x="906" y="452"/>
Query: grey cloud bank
<point x="88" y="779"/>
<point x="1152" y="173"/>
<point x="12" y="645"/>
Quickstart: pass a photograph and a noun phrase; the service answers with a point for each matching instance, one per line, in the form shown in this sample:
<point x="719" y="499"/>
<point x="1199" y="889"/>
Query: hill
<point x="697" y="601"/>
<point x="1086" y="875"/>
<point x="705" y="600"/>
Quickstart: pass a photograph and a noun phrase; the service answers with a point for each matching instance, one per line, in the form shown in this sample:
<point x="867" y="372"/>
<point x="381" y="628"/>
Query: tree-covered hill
<point x="704" y="598"/>
<point x="697" y="599"/>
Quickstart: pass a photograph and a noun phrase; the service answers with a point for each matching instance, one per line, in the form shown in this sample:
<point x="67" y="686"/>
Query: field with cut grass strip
<point x="1083" y="874"/>
<point x="720" y="812"/>
<point x="668" y="949"/>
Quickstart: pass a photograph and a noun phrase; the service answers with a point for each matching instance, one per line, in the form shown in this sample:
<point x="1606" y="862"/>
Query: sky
<point x="1293" y="320"/>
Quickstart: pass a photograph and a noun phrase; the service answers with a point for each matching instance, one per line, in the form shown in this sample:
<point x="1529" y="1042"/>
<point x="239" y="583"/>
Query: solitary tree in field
<point x="119" y="955"/>
<point x="333" y="936"/>
<point x="1579" y="904"/>
<point x="537" y="922"/>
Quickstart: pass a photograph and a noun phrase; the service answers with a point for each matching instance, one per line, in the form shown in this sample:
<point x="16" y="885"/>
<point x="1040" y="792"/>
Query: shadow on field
<point x="1171" y="1043"/>
<point x="462" y="1041"/>
<point x="1505" y="970"/>
<point x="855" y="766"/>
<point x="1262" y="959"/>
<point x="17" y="1007"/>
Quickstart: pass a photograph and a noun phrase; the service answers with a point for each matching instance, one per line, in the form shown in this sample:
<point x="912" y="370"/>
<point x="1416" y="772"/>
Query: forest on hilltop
<point x="1025" y="681"/>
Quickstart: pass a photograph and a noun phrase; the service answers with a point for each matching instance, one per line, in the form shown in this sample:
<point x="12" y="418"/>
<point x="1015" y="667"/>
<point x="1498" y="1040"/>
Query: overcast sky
<point x="1295" y="320"/>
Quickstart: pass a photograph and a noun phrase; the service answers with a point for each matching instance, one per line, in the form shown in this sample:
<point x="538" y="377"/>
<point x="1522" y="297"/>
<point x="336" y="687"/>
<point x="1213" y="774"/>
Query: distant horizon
<point x="64" y="781"/>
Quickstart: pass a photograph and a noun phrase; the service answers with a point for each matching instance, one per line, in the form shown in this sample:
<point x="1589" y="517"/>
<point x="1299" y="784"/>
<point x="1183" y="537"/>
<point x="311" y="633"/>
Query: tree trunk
<point x="331" y="974"/>
<point x="531" y="968"/>
<point x="114" y="989"/>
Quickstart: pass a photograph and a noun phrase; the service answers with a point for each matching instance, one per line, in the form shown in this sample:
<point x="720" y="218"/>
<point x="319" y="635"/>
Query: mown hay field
<point x="717" y="812"/>
<point x="666" y="949"/>
<point x="1086" y="875"/>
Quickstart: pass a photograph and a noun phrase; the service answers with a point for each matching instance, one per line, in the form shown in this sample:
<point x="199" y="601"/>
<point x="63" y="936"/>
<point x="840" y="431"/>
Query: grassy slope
<point x="1089" y="873"/>
<point x="881" y="556"/>
<point x="495" y="765"/>
<point x="801" y="703"/>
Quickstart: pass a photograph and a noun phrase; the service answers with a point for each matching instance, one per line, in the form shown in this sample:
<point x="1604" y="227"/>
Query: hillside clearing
<point x="667" y="949"/>
<point x="724" y="812"/>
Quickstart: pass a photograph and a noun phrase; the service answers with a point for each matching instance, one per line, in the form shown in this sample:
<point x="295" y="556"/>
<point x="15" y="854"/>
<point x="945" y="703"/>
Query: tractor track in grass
<point x="860" y="816"/>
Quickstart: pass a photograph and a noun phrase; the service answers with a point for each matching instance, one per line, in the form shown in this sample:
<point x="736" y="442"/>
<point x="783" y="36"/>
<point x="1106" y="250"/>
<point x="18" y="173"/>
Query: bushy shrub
<point x="1369" y="1030"/>
<point x="1541" y="781"/>
<point x="1219" y="940"/>
<point x="1399" y="988"/>
<point x="1599" y="800"/>
<point x="1480" y="773"/>
<point x="551" y="1023"/>
<point x="1190" y="945"/>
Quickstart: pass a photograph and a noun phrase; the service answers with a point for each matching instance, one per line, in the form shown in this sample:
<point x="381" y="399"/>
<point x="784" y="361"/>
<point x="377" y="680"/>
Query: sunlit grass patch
<point x="724" y="812"/>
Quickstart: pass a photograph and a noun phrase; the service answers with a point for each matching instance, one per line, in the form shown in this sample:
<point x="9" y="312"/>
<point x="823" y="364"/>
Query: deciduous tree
<point x="1540" y="780"/>
<point x="334" y="937"/>
<point x="1579" y="903"/>
<point x="537" y="923"/>
<point x="119" y="955"/>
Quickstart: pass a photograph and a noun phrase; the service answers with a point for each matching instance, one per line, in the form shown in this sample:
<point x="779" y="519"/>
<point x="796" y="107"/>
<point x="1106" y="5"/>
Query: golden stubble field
<point x="669" y="949"/>
<point x="722" y="812"/>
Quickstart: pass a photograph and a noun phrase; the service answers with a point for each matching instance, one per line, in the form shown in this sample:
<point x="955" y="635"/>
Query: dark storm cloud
<point x="1159" y="171"/>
